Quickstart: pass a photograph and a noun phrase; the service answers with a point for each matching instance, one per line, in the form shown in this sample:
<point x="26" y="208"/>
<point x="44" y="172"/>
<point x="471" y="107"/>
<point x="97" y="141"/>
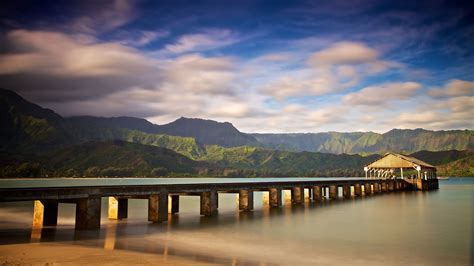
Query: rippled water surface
<point x="430" y="228"/>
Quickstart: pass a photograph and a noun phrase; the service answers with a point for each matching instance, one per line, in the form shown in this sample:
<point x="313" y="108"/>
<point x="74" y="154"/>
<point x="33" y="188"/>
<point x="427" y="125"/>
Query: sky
<point x="265" y="66"/>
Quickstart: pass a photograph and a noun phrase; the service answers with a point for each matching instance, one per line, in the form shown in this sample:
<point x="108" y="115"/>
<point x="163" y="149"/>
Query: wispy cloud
<point x="382" y="94"/>
<point x="206" y="40"/>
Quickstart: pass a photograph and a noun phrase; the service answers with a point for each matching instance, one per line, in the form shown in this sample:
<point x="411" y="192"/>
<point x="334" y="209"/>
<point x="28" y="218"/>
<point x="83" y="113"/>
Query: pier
<point x="163" y="194"/>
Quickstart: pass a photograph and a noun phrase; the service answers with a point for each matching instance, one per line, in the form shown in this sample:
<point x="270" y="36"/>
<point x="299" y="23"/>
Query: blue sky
<point x="265" y="66"/>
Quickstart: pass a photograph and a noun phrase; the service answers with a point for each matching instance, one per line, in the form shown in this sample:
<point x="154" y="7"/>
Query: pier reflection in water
<point x="403" y="228"/>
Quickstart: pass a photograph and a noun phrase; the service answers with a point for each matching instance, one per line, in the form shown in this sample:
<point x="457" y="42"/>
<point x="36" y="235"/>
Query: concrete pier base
<point x="297" y="195"/>
<point x="317" y="193"/>
<point x="367" y="189"/>
<point x="158" y="208"/>
<point x="376" y="188"/>
<point x="333" y="192"/>
<point x="287" y="196"/>
<point x="209" y="203"/>
<point x="306" y="194"/>
<point x="118" y="208"/>
<point x="357" y="190"/>
<point x="391" y="186"/>
<point x="45" y="213"/>
<point x="346" y="191"/>
<point x="88" y="213"/>
<point x="246" y="200"/>
<point x="173" y="204"/>
<point x="275" y="197"/>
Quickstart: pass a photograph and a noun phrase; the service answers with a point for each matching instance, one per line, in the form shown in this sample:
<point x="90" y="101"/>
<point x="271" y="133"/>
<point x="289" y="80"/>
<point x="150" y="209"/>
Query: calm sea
<point x="405" y="228"/>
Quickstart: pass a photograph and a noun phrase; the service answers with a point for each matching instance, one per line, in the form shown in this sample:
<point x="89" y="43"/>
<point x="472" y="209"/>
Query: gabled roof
<point x="395" y="160"/>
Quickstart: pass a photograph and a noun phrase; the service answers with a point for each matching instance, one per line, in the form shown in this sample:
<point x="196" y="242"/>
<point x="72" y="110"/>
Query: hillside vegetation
<point x="37" y="142"/>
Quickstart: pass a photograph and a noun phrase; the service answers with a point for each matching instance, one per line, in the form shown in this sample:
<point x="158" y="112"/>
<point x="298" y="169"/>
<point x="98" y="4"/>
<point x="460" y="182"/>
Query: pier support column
<point x="376" y="188"/>
<point x="209" y="203"/>
<point x="384" y="187"/>
<point x="245" y="200"/>
<point x="45" y="213"/>
<point x="367" y="189"/>
<point x="158" y="208"/>
<point x="118" y="208"/>
<point x="317" y="193"/>
<point x="88" y="213"/>
<point x="275" y="197"/>
<point x="297" y="195"/>
<point x="173" y="205"/>
<point x="346" y="191"/>
<point x="391" y="186"/>
<point x="357" y="190"/>
<point x="333" y="192"/>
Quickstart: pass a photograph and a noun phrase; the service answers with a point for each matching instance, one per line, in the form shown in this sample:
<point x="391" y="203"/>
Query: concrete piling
<point x="333" y="192"/>
<point x="88" y="213"/>
<point x="297" y="195"/>
<point x="357" y="190"/>
<point x="245" y="200"/>
<point x="275" y="197"/>
<point x="45" y="213"/>
<point x="158" y="208"/>
<point x="317" y="193"/>
<point x="346" y="191"/>
<point x="118" y="208"/>
<point x="367" y="189"/>
<point x="209" y="203"/>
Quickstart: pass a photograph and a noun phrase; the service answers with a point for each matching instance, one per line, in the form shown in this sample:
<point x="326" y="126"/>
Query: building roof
<point x="395" y="160"/>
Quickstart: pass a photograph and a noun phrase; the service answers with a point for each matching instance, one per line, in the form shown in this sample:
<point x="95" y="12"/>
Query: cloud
<point x="333" y="69"/>
<point x="207" y="40"/>
<point x="197" y="74"/>
<point x="453" y="88"/>
<point x="344" y="53"/>
<point x="381" y="94"/>
<point x="140" y="38"/>
<point x="104" y="18"/>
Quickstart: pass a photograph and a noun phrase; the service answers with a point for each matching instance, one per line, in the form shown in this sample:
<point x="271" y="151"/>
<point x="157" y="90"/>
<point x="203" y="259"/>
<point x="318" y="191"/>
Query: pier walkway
<point x="163" y="194"/>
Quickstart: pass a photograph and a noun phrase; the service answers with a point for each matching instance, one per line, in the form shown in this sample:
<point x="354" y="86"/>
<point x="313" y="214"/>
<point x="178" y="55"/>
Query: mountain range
<point x="38" y="141"/>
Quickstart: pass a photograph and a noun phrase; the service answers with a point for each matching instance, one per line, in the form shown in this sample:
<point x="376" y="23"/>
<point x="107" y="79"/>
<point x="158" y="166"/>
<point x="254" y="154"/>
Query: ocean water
<point x="401" y="228"/>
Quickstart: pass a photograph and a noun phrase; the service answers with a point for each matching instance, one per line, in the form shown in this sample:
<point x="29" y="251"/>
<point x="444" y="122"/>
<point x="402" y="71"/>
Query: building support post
<point x="88" y="213"/>
<point x="118" y="208"/>
<point x="275" y="197"/>
<point x="45" y="213"/>
<point x="245" y="200"/>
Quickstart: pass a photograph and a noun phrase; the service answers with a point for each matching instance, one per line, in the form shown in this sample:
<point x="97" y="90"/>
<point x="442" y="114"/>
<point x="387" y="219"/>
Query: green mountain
<point x="206" y="132"/>
<point x="111" y="158"/>
<point x="35" y="142"/>
<point x="396" y="140"/>
<point x="28" y="127"/>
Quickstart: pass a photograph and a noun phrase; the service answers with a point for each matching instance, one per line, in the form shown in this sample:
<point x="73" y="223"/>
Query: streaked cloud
<point x="454" y="88"/>
<point x="209" y="39"/>
<point x="381" y="94"/>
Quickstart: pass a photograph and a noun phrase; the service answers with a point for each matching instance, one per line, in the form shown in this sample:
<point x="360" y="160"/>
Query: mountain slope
<point x="111" y="158"/>
<point x="25" y="126"/>
<point x="396" y="140"/>
<point x="208" y="132"/>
